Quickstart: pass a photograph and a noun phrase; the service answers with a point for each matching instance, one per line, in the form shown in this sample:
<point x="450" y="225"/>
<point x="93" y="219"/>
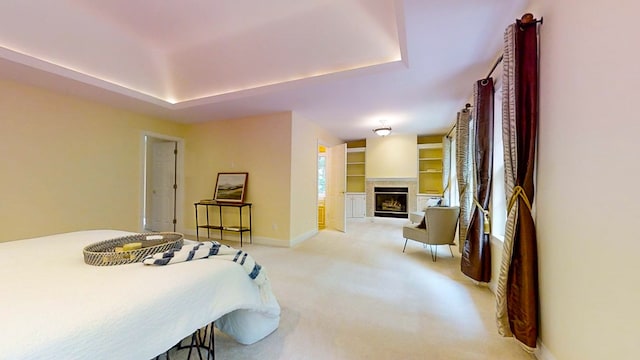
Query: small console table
<point x="240" y="228"/>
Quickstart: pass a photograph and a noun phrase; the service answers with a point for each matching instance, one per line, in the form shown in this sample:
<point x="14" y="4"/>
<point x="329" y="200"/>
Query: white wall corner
<point x="302" y="238"/>
<point x="542" y="353"/>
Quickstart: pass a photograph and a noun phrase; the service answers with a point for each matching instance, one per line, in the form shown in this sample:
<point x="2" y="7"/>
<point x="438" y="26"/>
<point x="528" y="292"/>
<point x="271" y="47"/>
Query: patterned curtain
<point x="476" y="253"/>
<point x="517" y="290"/>
<point x="463" y="170"/>
<point x="446" y="170"/>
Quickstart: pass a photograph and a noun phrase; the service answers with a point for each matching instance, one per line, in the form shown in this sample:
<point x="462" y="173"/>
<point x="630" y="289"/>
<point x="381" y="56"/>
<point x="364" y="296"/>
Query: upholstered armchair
<point x="441" y="224"/>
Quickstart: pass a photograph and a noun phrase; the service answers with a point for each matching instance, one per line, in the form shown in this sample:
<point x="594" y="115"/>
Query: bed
<point x="56" y="306"/>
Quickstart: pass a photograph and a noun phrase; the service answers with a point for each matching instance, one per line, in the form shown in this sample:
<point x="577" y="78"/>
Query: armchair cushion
<point x="416" y="216"/>
<point x="440" y="227"/>
<point x="411" y="231"/>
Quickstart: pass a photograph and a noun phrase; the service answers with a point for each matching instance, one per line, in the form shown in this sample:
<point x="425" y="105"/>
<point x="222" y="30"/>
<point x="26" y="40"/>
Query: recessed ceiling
<point x="345" y="64"/>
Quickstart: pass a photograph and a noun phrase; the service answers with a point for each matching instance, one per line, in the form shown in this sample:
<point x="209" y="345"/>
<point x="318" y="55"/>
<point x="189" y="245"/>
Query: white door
<point x="336" y="187"/>
<point x="163" y="178"/>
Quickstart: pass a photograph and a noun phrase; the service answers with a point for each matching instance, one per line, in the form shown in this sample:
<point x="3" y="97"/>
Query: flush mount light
<point x="382" y="131"/>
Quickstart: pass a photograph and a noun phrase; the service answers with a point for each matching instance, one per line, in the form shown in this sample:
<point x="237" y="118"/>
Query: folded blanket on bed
<point x="213" y="249"/>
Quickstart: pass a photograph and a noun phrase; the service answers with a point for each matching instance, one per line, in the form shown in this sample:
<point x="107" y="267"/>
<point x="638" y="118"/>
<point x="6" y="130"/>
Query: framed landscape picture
<point x="231" y="187"/>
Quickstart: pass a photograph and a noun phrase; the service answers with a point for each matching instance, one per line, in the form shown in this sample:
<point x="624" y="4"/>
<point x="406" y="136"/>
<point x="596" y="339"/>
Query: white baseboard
<point x="283" y="243"/>
<point x="301" y="238"/>
<point x="542" y="353"/>
<point x="215" y="235"/>
<point x="191" y="233"/>
<point x="259" y="240"/>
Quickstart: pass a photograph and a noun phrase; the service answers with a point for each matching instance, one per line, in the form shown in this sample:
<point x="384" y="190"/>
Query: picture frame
<point x="231" y="187"/>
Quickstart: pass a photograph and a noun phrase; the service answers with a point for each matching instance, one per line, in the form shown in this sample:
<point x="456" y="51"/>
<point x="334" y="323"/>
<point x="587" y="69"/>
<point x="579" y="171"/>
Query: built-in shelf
<point x="430" y="165"/>
<point x="356" y="166"/>
<point x="430" y="146"/>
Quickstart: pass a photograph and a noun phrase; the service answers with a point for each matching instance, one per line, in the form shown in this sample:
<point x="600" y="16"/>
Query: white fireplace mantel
<point x="410" y="183"/>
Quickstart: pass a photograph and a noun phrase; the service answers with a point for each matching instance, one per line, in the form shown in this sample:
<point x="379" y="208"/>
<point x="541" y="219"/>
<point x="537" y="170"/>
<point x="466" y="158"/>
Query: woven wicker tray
<point x="104" y="253"/>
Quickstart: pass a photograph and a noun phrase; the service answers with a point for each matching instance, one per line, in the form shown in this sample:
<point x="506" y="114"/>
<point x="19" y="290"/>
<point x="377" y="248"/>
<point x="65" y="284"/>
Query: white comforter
<point x="54" y="306"/>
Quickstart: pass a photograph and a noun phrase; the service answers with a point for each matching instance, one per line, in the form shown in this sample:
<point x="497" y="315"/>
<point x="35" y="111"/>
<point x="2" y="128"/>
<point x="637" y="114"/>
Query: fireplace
<point x="391" y="202"/>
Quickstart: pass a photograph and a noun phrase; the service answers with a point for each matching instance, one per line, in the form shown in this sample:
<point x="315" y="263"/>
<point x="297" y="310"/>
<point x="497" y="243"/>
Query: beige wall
<point x="69" y="164"/>
<point x="304" y="175"/>
<point x="587" y="180"/>
<point x="259" y="145"/>
<point x="393" y="156"/>
<point x="280" y="153"/>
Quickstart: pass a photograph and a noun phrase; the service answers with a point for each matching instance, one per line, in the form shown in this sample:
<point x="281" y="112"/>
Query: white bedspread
<point x="54" y="306"/>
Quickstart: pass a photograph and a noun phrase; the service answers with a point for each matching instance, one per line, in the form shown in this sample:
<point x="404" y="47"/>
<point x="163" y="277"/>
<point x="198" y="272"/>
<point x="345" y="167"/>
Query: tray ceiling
<point x="345" y="64"/>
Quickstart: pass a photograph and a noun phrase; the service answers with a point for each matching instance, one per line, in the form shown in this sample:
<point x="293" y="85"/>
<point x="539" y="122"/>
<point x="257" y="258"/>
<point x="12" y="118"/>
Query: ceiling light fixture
<point x="382" y="131"/>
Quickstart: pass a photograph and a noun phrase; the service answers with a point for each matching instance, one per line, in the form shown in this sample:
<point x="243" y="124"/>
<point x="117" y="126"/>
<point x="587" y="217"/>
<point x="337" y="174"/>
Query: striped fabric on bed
<point x="213" y="249"/>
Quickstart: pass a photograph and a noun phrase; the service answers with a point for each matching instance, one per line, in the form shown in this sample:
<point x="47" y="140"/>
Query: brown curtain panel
<point x="517" y="292"/>
<point x="476" y="253"/>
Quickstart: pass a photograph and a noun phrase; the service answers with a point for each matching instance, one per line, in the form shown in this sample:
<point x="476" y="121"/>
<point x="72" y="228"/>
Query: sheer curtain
<point x="517" y="291"/>
<point x="446" y="170"/>
<point x="464" y="162"/>
<point x="454" y="193"/>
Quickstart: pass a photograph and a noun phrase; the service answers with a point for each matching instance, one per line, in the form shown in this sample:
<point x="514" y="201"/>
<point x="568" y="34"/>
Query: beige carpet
<point x="356" y="295"/>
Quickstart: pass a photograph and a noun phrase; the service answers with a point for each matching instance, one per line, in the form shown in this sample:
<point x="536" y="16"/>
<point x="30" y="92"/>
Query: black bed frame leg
<point x="199" y="343"/>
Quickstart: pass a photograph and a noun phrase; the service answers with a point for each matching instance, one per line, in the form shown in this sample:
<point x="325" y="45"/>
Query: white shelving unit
<point x="355" y="205"/>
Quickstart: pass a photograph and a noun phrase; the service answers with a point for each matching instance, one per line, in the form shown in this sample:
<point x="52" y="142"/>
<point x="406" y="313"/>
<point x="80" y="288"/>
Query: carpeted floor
<point x="356" y="295"/>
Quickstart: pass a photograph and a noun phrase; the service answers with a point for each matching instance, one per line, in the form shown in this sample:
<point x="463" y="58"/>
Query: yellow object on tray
<point x="132" y="246"/>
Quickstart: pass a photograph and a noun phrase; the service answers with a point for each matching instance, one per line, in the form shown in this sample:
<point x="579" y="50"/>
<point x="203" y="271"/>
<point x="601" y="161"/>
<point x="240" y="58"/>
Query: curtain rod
<point x="495" y="65"/>
<point x="467" y="107"/>
<point x="525" y="20"/>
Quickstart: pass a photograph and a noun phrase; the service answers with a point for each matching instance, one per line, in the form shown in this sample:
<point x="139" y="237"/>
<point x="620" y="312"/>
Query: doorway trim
<point x="179" y="178"/>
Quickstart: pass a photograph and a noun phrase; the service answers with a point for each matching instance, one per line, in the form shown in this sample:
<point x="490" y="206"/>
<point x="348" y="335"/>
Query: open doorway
<point x="336" y="187"/>
<point x="322" y="187"/>
<point x="331" y="187"/>
<point x="162" y="174"/>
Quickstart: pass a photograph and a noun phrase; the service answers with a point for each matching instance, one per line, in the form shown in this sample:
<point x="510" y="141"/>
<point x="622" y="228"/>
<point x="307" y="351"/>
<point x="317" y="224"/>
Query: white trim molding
<point x="301" y="238"/>
<point x="256" y="240"/>
<point x="542" y="353"/>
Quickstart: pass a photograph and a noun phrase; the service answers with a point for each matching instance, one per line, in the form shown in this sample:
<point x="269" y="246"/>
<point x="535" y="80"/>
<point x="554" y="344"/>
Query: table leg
<point x="208" y="234"/>
<point x="221" y="226"/>
<point x="197" y="227"/>
<point x="240" y="209"/>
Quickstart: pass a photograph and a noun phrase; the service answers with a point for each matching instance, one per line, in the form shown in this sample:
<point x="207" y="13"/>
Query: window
<point x="322" y="175"/>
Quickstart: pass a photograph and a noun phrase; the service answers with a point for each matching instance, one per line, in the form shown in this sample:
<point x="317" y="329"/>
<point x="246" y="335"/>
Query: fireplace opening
<point x="391" y="202"/>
